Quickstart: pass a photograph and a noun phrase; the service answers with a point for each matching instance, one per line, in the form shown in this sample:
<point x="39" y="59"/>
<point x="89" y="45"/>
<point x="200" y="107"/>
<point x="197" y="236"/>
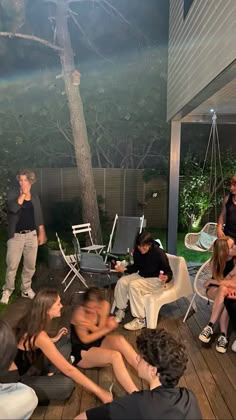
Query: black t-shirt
<point x="26" y="219"/>
<point x="160" y="403"/>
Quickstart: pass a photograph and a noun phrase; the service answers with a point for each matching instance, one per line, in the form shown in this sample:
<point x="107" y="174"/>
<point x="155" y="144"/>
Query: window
<point x="187" y="5"/>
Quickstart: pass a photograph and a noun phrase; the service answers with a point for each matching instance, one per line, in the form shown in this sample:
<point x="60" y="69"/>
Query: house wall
<point x="201" y="46"/>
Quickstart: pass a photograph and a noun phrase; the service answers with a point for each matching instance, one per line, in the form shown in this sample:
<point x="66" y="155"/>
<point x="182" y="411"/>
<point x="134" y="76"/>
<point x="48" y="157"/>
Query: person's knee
<point x="32" y="399"/>
<point x="223" y="290"/>
<point x="116" y="357"/>
<point x="68" y="388"/>
<point x="118" y="340"/>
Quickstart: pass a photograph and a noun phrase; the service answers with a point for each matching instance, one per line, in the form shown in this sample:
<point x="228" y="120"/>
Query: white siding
<point x="200" y="48"/>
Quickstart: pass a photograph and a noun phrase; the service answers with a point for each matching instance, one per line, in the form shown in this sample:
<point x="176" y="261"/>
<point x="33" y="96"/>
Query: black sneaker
<point x="206" y="334"/>
<point x="222" y="343"/>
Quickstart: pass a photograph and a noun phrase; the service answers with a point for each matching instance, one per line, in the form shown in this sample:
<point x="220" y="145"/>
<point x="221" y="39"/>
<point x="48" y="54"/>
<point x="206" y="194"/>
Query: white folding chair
<point x="204" y="273"/>
<point x="202" y="241"/>
<point x="71" y="262"/>
<point x="124" y="231"/>
<point x="86" y="229"/>
<point x="182" y="287"/>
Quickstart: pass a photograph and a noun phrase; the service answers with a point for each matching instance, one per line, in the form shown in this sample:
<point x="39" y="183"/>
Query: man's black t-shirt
<point x="160" y="403"/>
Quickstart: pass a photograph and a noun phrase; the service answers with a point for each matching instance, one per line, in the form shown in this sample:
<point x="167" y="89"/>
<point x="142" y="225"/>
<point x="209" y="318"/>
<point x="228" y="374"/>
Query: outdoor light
<point x="212" y="110"/>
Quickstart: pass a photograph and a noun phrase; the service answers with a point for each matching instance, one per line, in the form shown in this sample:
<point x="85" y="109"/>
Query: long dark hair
<point x="37" y="318"/>
<point x="8" y="346"/>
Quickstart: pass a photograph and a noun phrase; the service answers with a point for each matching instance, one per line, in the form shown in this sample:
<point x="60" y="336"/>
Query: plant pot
<point x="55" y="260"/>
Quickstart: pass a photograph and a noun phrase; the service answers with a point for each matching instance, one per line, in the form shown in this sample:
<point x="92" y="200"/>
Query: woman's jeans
<point x="17" y="401"/>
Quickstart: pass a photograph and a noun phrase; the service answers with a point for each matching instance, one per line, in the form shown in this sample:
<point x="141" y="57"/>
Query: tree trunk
<point x="82" y="150"/>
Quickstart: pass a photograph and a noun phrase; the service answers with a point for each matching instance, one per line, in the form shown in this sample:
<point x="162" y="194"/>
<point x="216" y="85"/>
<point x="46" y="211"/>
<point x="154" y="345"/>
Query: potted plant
<point x="55" y="258"/>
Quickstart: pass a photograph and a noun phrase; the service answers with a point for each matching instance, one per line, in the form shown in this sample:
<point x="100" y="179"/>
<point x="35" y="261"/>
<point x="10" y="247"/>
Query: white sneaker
<point x="28" y="294"/>
<point x="6" y="296"/>
<point x="234" y="346"/>
<point x="120" y="314"/>
<point x="135" y="324"/>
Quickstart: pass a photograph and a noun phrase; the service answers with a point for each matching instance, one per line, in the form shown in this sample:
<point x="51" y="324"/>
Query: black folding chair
<point x="91" y="264"/>
<point x="123" y="235"/>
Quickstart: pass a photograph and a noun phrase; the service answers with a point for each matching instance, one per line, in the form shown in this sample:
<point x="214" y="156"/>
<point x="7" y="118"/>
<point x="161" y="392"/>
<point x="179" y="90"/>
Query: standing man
<point x="25" y="232"/>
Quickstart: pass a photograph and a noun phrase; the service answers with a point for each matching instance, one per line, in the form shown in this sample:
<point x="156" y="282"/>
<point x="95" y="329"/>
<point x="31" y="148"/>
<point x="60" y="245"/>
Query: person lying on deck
<point x="161" y="363"/>
<point x="55" y="378"/>
<point x="92" y="346"/>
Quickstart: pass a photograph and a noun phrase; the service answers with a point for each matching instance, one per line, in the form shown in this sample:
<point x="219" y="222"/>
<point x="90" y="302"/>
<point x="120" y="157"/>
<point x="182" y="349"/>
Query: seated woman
<point x="218" y="287"/>
<point x="57" y="382"/>
<point x="91" y="344"/>
<point x="150" y="268"/>
<point x="17" y="401"/>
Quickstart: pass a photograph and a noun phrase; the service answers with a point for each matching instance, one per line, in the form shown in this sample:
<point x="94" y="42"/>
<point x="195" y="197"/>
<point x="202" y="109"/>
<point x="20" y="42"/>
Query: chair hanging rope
<point x="213" y="152"/>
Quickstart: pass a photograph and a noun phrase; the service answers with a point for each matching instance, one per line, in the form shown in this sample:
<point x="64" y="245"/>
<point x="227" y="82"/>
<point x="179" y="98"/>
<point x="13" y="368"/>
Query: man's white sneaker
<point x="28" y="294"/>
<point x="6" y="296"/>
<point x="120" y="314"/>
<point x="234" y="346"/>
<point x="135" y="324"/>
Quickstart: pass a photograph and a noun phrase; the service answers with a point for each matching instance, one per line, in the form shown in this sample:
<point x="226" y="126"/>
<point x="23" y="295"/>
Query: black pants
<point x="230" y="305"/>
<point x="55" y="387"/>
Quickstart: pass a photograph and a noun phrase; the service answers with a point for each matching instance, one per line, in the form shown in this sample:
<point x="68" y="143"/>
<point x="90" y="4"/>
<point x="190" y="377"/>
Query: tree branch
<point x="31" y="38"/>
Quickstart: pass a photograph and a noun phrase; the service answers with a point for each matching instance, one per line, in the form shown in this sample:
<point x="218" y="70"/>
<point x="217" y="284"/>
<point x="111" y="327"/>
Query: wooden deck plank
<point x="211" y="376"/>
<point x="190" y="378"/>
<point x="209" y="371"/>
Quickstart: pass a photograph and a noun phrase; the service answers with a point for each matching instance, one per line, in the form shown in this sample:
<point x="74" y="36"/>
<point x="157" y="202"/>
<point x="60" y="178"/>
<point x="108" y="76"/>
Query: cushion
<point x="205" y="240"/>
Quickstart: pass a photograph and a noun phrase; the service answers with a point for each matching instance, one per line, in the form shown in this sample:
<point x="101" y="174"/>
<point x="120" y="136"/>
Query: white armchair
<point x="182" y="287"/>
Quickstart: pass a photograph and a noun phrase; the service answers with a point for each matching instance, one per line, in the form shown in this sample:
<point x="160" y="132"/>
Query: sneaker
<point x="234" y="346"/>
<point x="221" y="345"/>
<point x="120" y="314"/>
<point x="135" y="324"/>
<point x="6" y="296"/>
<point x="28" y="294"/>
<point x="206" y="334"/>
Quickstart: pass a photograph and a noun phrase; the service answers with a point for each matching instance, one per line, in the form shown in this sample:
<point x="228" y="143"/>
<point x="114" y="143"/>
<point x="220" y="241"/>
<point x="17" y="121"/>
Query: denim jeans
<point x="17" y="401"/>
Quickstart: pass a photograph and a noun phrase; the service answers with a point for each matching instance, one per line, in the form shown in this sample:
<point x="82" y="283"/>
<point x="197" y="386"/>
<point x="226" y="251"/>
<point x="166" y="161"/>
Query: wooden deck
<point x="210" y="375"/>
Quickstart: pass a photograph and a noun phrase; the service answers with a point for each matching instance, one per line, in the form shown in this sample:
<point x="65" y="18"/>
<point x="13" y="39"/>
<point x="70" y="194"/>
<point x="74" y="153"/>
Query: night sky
<point x="102" y="34"/>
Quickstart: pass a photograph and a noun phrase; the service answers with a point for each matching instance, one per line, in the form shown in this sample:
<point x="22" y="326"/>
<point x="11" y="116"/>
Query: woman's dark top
<point x="151" y="263"/>
<point x="228" y="267"/>
<point x="78" y="345"/>
<point x="230" y="218"/>
<point x="25" y="359"/>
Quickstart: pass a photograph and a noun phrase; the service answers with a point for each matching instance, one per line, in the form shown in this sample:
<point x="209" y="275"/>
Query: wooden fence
<point x="123" y="191"/>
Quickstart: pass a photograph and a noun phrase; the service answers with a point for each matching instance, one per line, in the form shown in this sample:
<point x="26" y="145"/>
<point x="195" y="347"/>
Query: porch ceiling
<point x="223" y="102"/>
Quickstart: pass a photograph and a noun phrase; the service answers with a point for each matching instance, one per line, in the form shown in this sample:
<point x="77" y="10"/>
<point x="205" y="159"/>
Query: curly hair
<point x="30" y="175"/>
<point x="161" y="350"/>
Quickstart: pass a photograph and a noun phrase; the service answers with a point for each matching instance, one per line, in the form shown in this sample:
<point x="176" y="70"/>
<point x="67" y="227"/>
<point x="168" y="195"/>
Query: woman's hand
<point x="206" y="283"/>
<point x="219" y="231"/>
<point x="61" y="332"/>
<point x="111" y="323"/>
<point x="163" y="277"/>
<point x="120" y="268"/>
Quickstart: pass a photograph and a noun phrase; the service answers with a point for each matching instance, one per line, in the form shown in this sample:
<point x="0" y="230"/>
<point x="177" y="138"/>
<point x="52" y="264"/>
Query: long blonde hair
<point x="219" y="257"/>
